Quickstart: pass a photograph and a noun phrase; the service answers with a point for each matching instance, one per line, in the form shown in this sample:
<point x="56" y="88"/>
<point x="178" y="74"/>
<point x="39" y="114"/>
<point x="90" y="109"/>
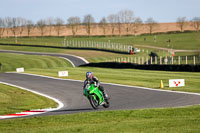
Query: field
<point x="186" y="41"/>
<point x="185" y="119"/>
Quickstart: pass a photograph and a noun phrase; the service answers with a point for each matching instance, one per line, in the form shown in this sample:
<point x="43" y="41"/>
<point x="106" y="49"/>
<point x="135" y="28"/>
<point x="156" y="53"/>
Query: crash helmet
<point x="89" y="75"/>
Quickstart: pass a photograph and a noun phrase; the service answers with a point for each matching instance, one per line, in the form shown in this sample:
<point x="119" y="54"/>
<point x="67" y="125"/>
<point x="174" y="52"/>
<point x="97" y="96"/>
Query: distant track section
<point x="74" y="60"/>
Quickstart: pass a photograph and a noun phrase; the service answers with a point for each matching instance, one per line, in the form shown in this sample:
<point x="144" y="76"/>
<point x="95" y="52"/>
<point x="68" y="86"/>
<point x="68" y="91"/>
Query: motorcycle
<point x="95" y="96"/>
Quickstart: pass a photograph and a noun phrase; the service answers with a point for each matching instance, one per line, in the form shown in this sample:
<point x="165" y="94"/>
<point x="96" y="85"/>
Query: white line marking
<point x="68" y="60"/>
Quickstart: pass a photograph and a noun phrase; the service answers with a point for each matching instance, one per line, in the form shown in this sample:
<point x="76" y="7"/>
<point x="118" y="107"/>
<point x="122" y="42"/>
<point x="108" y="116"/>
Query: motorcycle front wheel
<point x="107" y="104"/>
<point x="94" y="101"/>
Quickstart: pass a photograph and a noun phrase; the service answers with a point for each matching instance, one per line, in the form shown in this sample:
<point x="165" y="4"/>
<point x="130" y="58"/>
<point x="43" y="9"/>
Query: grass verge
<point x="144" y="78"/>
<point x="170" y="120"/>
<point x="17" y="100"/>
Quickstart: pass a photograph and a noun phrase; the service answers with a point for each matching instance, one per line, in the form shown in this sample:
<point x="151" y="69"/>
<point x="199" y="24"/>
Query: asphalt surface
<point x="122" y="97"/>
<point x="76" y="60"/>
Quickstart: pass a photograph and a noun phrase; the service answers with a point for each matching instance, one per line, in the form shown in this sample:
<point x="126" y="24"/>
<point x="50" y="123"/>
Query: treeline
<point x="124" y="21"/>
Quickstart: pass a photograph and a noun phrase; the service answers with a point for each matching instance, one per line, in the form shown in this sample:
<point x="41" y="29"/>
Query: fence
<point x="97" y="45"/>
<point x="176" y="60"/>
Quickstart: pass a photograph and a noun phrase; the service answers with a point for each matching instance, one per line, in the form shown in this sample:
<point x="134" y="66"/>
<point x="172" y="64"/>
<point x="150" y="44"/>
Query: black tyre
<point x="94" y="103"/>
<point x="107" y="104"/>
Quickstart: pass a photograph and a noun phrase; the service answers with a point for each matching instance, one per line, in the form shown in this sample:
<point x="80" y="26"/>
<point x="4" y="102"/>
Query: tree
<point x="151" y="24"/>
<point x="88" y="21"/>
<point x="14" y="26"/>
<point x="50" y="22"/>
<point x="58" y="25"/>
<point x="103" y="25"/>
<point x="181" y="22"/>
<point x="21" y="24"/>
<point x="41" y="24"/>
<point x="196" y="23"/>
<point x="2" y="26"/>
<point x="74" y="23"/>
<point x="112" y="19"/>
<point x="29" y="26"/>
<point x="137" y="23"/>
<point x="118" y="24"/>
<point x="8" y="24"/>
<point x="126" y="17"/>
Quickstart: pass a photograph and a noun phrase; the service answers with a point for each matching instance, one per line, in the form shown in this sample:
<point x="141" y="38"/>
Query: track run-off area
<point x="70" y="94"/>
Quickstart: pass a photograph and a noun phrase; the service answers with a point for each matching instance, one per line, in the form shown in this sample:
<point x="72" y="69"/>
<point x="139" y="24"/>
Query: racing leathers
<point x="94" y="80"/>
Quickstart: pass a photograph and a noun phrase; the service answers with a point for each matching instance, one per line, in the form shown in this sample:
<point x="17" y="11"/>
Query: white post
<point x="138" y="60"/>
<point x="156" y="60"/>
<point x="186" y="60"/>
<point x="147" y="60"/>
<point x="179" y="60"/>
<point x="160" y="60"/>
<point x="135" y="60"/>
<point x="194" y="60"/>
<point x="142" y="60"/>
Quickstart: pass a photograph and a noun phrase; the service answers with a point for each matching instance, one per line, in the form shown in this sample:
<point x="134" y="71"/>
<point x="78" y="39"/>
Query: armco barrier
<point x="184" y="68"/>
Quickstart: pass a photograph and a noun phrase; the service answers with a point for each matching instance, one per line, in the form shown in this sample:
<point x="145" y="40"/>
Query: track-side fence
<point x="167" y="60"/>
<point x="97" y="45"/>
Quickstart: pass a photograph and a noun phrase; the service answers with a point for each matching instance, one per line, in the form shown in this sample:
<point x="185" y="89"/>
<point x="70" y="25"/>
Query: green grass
<point x="14" y="100"/>
<point x="12" y="61"/>
<point x="178" y="40"/>
<point x="170" y="120"/>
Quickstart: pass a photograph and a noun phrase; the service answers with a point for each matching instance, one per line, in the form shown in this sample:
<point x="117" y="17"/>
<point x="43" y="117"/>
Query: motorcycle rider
<point x="94" y="80"/>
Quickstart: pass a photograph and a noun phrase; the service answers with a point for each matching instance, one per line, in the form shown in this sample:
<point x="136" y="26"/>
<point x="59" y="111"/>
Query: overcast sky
<point x="159" y="10"/>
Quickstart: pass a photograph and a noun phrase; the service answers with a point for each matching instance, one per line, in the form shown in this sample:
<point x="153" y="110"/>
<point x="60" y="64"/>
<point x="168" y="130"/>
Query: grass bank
<point x="177" y="40"/>
<point x="10" y="62"/>
<point x="171" y="120"/>
<point x="17" y="100"/>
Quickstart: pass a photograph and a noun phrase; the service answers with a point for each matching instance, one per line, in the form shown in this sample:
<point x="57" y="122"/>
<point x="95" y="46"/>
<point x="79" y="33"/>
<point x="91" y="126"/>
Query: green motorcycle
<point x="95" y="96"/>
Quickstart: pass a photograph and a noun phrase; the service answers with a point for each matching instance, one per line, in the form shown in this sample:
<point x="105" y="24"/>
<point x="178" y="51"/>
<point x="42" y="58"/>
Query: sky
<point x="160" y="10"/>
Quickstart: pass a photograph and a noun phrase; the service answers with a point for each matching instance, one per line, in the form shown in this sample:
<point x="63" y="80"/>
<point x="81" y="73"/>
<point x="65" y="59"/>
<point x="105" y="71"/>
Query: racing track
<point x="122" y="97"/>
